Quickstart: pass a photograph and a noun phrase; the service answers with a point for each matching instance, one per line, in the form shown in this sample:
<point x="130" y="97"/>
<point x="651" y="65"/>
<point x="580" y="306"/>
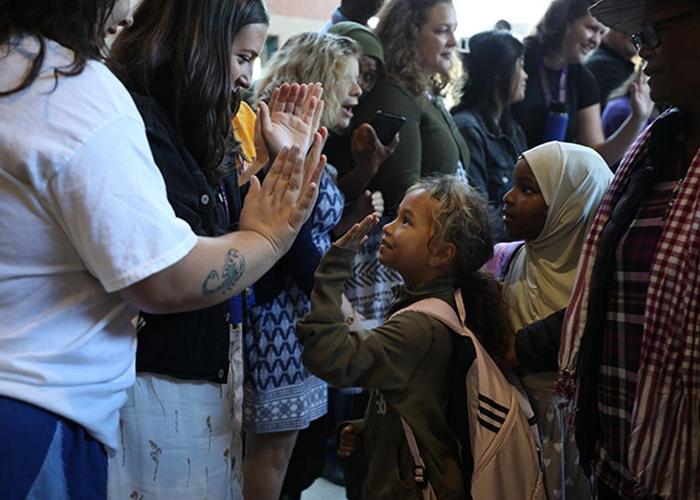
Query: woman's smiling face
<point x="246" y="47"/>
<point x="121" y="16"/>
<point x="582" y="36"/>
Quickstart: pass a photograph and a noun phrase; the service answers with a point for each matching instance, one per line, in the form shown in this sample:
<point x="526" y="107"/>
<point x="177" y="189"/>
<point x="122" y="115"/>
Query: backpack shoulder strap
<point x="438" y="309"/>
<point x="445" y="313"/>
<point x="419" y="469"/>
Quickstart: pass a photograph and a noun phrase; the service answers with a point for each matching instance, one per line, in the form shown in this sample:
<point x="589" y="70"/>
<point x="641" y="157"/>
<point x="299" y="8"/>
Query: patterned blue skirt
<point x="279" y="393"/>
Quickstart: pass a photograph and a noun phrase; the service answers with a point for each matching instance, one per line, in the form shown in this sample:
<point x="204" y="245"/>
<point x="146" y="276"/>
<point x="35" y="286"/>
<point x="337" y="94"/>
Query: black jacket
<point x="537" y="344"/>
<point x="192" y="345"/>
<point x="493" y="157"/>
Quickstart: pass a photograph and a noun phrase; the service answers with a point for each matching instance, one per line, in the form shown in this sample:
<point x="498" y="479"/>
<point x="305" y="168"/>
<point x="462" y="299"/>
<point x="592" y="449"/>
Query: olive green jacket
<point x="430" y="142"/>
<point x="406" y="363"/>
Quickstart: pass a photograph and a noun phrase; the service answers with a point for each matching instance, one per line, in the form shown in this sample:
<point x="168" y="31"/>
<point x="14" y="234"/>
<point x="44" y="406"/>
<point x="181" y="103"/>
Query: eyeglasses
<point x="648" y="36"/>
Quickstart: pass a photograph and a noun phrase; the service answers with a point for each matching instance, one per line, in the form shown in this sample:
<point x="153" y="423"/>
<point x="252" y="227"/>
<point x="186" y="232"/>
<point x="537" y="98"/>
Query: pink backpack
<point x="503" y="434"/>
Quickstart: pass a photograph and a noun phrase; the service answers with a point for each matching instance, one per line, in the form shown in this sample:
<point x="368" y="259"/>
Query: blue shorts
<point x="45" y="456"/>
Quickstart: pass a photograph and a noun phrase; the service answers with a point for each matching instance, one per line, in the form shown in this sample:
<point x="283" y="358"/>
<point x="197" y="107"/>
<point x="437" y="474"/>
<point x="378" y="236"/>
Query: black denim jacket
<point x="493" y="158"/>
<point x="192" y="345"/>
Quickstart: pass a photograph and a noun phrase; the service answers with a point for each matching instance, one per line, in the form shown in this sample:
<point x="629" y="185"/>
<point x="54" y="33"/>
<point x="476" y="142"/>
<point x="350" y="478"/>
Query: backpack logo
<point x="492" y="416"/>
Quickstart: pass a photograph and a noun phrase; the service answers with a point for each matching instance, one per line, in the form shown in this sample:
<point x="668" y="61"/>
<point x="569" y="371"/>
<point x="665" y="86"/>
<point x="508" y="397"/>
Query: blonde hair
<point x="308" y="58"/>
<point x="460" y="216"/>
<point x="400" y="22"/>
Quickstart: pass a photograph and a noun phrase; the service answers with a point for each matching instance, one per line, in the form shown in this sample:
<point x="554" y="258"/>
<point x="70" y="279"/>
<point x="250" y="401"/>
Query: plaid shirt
<point x="664" y="449"/>
<point x="622" y="337"/>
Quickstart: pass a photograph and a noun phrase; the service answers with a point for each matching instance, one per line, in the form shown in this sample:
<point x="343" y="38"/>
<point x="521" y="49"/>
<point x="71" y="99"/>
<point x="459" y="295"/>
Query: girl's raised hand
<point x="357" y="234"/>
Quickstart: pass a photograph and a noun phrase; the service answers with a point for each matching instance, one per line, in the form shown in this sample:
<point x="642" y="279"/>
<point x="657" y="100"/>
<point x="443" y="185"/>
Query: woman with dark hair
<point x="88" y="236"/>
<point x="495" y="78"/>
<point x="185" y="63"/>
<point x="562" y="101"/>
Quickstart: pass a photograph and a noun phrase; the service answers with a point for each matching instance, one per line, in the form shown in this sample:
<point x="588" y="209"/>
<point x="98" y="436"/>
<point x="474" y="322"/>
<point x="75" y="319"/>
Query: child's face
<point x="405" y="246"/>
<point x="524" y="208"/>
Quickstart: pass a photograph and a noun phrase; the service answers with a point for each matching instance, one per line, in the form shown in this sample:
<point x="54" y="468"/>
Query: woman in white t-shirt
<point x="87" y="235"/>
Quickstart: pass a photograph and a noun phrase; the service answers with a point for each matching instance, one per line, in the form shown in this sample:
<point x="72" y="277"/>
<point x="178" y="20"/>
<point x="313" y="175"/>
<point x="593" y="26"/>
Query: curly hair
<point x="460" y="216"/>
<point x="78" y="25"/>
<point x="400" y="22"/>
<point x="179" y="53"/>
<point x="307" y="58"/>
<point x="551" y="29"/>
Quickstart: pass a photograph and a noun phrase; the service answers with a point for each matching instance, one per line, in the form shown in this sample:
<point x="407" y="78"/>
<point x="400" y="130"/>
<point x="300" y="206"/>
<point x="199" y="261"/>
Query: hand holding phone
<point x="386" y="125"/>
<point x="368" y="152"/>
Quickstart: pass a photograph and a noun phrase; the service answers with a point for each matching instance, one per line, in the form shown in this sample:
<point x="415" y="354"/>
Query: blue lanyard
<point x="237" y="307"/>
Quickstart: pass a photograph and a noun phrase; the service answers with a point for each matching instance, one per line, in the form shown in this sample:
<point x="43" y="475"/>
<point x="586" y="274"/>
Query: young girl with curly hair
<point x="413" y="363"/>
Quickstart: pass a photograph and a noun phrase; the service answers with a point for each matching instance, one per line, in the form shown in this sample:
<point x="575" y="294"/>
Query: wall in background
<point x="289" y="17"/>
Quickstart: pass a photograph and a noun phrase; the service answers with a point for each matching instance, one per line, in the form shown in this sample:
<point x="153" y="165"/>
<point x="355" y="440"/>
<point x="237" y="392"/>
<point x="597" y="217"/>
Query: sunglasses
<point x="648" y="36"/>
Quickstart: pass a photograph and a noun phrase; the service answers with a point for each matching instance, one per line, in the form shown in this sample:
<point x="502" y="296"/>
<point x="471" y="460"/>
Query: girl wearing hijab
<point x="556" y="193"/>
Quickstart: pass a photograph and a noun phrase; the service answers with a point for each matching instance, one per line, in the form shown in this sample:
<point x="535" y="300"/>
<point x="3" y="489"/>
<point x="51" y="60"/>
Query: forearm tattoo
<point x="233" y="269"/>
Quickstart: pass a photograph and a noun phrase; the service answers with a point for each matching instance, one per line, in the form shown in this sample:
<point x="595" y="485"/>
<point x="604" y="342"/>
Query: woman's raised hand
<point x="357" y="234"/>
<point x="277" y="209"/>
<point x="291" y="118"/>
<point x="640" y="99"/>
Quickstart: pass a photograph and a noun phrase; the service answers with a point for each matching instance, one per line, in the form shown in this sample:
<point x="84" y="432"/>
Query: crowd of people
<point x="196" y="267"/>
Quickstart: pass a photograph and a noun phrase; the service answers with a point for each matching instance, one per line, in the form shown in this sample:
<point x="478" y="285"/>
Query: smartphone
<point x="386" y="125"/>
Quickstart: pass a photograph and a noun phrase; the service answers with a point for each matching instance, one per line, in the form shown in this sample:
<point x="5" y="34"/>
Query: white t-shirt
<point x="83" y="214"/>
